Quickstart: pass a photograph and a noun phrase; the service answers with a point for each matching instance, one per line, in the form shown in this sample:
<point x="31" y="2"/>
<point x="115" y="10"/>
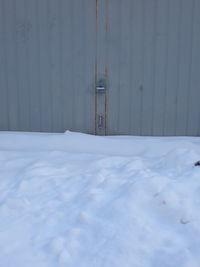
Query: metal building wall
<point x="153" y="58"/>
<point x="54" y="52"/>
<point x="47" y="65"/>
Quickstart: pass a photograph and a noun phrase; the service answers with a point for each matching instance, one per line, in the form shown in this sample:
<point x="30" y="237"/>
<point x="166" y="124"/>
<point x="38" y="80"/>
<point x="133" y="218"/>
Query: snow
<point x="79" y="200"/>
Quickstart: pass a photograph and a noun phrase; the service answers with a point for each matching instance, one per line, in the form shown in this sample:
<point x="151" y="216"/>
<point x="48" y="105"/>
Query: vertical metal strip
<point x="100" y="98"/>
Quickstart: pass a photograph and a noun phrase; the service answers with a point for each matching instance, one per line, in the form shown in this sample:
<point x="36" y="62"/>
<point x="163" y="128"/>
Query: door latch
<point x="101" y="88"/>
<point x="100" y="121"/>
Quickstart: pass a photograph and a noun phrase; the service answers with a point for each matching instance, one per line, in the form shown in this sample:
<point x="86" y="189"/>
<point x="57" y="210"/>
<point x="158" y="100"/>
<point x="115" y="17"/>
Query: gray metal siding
<point x="153" y="67"/>
<point x="193" y="122"/>
<point x="54" y="52"/>
<point x="47" y="65"/>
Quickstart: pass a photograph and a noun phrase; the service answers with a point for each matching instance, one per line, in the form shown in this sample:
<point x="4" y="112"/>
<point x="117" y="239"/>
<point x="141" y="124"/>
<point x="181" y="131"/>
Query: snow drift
<point x="79" y="200"/>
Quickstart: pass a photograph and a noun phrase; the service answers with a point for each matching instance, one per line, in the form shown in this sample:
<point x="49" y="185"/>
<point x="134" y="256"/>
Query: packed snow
<point x="79" y="200"/>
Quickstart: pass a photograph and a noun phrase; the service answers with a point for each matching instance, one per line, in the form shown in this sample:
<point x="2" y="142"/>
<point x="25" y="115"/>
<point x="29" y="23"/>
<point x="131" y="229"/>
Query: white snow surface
<point x="79" y="200"/>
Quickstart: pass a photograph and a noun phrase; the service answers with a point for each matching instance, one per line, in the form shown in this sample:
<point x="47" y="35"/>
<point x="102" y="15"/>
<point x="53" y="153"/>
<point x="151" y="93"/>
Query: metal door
<point x="47" y="65"/>
<point x="152" y="67"/>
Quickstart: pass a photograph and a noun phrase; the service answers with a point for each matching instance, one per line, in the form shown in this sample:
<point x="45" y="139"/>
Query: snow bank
<point x="112" y="145"/>
<point x="79" y="200"/>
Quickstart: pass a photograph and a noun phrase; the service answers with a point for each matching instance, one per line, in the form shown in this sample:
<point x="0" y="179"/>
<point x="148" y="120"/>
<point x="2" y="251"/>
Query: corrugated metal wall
<point x="52" y="52"/>
<point x="153" y="59"/>
<point x="47" y="65"/>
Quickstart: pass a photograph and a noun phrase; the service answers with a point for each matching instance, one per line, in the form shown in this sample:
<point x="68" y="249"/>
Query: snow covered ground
<point x="77" y="200"/>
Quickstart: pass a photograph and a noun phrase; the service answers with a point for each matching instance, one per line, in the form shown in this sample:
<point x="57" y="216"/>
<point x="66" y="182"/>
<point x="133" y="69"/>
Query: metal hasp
<point x="101" y="106"/>
<point x="100" y="122"/>
<point x="101" y="87"/>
